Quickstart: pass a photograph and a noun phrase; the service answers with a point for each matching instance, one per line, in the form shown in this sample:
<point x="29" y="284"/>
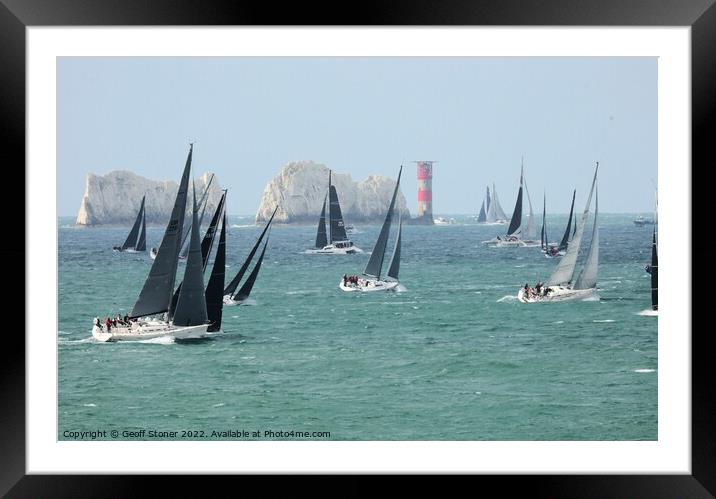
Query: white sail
<point x="565" y="268"/>
<point x="588" y="277"/>
<point x="499" y="213"/>
<point x="531" y="232"/>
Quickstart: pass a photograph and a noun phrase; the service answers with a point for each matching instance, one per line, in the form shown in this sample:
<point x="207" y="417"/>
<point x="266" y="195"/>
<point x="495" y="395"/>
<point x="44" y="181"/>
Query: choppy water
<point x="455" y="357"/>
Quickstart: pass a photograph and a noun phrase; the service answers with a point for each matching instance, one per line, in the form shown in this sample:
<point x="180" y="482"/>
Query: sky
<point x="479" y="118"/>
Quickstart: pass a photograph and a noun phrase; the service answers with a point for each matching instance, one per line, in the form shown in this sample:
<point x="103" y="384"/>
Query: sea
<point x="452" y="356"/>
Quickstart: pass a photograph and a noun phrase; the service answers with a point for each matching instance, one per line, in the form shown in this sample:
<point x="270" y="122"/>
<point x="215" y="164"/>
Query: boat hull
<point x="148" y="331"/>
<point x="558" y="293"/>
<point x="368" y="286"/>
<point x="331" y="250"/>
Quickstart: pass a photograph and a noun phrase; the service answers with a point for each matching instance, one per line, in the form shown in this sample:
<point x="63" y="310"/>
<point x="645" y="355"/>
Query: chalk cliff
<point x="301" y="186"/>
<point x="114" y="198"/>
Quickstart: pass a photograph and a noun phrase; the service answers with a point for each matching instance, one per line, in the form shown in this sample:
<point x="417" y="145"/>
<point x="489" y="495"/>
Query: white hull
<point x="232" y="303"/>
<point x="148" y="331"/>
<point x="368" y="286"/>
<point x="558" y="293"/>
<point x="332" y="250"/>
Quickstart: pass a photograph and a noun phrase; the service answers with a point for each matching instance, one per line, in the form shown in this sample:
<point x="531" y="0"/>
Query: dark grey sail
<point x="202" y="202"/>
<point x="568" y="231"/>
<point x="375" y="263"/>
<point x="543" y="235"/>
<point x="142" y="240"/>
<point x="214" y="293"/>
<point x="206" y="245"/>
<point x="156" y="294"/>
<point x="210" y="235"/>
<point x="245" y="290"/>
<point x="191" y="306"/>
<point x="482" y="217"/>
<point x="229" y="290"/>
<point x="516" y="220"/>
<point x="654" y="274"/>
<point x="131" y="241"/>
<point x="338" y="230"/>
<point x="321" y="239"/>
<point x="394" y="266"/>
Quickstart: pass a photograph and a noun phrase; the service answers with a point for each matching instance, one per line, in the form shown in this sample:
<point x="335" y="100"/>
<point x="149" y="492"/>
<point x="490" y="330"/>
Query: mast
<point x="372" y="269"/>
<point x="530" y="231"/>
<point x="229" y="290"/>
<point x="543" y="234"/>
<point x="215" y="288"/>
<point x="321" y="239"/>
<point x="156" y="294"/>
<point x="565" y="238"/>
<point x="191" y="305"/>
<point x="131" y="241"/>
<point x="565" y="268"/>
<point x="394" y="266"/>
<point x="202" y="202"/>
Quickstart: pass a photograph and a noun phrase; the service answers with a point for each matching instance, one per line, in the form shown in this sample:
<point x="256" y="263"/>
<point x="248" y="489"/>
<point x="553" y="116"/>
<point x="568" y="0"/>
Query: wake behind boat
<point x="372" y="280"/>
<point x="156" y="313"/>
<point x="559" y="287"/>
<point x="336" y="242"/>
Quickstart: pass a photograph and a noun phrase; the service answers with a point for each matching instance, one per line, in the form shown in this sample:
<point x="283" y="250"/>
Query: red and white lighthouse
<point x="425" y="191"/>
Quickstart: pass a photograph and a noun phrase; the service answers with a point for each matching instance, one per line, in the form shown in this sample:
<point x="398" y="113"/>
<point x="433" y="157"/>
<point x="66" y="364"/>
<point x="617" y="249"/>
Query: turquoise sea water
<point x="455" y="357"/>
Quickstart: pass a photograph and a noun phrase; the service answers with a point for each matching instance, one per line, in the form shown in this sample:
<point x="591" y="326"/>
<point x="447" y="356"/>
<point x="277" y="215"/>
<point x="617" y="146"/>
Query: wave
<point x="236" y="226"/>
<point x="400" y="289"/>
<point x="89" y="405"/>
<point x="83" y="340"/>
<point x="603" y="320"/>
<point x="648" y="313"/>
<point x="644" y="370"/>
<point x="507" y="298"/>
<point x="592" y="298"/>
<point x="162" y="340"/>
<point x="250" y="302"/>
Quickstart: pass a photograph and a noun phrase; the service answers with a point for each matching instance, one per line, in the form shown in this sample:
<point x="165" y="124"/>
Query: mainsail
<point x="229" y="290"/>
<point x="159" y="286"/>
<point x="394" y="266"/>
<point x="132" y="238"/>
<point x="338" y="230"/>
<point x="495" y="213"/>
<point x="215" y="288"/>
<point x="321" y="239"/>
<point x="375" y="263"/>
<point x="529" y="233"/>
<point x="565" y="268"/>
<point x="202" y="202"/>
<point x="245" y="290"/>
<point x="516" y="220"/>
<point x="654" y="274"/>
<point x="543" y="234"/>
<point x="482" y="217"/>
<point x="191" y="305"/>
<point x="142" y="240"/>
<point x="588" y="277"/>
<point x="565" y="238"/>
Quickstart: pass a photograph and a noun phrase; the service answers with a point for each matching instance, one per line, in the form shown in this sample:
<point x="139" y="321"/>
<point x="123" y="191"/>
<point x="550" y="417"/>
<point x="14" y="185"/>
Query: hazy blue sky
<point x="363" y="116"/>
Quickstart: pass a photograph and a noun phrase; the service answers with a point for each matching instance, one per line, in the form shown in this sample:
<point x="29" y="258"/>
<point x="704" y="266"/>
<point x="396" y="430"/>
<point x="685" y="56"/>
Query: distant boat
<point x="640" y="220"/>
<point x="549" y="249"/>
<point x="336" y="242"/>
<point x="495" y="214"/>
<point x="484" y="208"/>
<point x="555" y="251"/>
<point x="372" y="280"/>
<point x="233" y="297"/>
<point x="654" y="271"/>
<point x="154" y="314"/>
<point x="513" y="238"/>
<point x="444" y="221"/>
<point x="529" y="235"/>
<point x="559" y="287"/>
<point x="137" y="239"/>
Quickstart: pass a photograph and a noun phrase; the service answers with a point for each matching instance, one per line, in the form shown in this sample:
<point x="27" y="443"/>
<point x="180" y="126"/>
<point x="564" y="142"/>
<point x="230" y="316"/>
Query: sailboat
<point x="560" y="287"/>
<point x="554" y="250"/>
<point x="530" y="233"/>
<point x="137" y="239"/>
<point x="372" y="280"/>
<point x="495" y="214"/>
<point x="514" y="231"/>
<point x="484" y="208"/>
<point x="653" y="269"/>
<point x="155" y="314"/>
<point x="336" y="241"/>
<point x="230" y="295"/>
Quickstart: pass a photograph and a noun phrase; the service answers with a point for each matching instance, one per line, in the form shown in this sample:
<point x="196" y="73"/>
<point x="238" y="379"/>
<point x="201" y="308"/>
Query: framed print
<point x="385" y="144"/>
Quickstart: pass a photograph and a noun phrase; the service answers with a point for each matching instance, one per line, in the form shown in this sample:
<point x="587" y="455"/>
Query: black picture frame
<point x="16" y="15"/>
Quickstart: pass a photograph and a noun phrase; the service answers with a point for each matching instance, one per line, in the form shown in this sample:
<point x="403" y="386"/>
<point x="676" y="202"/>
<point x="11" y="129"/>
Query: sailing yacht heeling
<point x="336" y="241"/>
<point x="190" y="315"/>
<point x="137" y="238"/>
<point x="373" y="281"/>
<point x="559" y="286"/>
